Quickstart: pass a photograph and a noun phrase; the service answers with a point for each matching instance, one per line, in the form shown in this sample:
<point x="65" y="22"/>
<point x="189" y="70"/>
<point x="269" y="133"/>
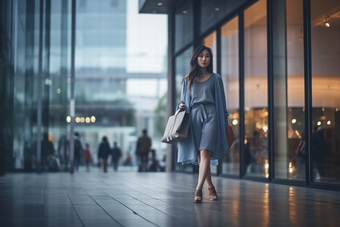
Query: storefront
<point x="279" y="61"/>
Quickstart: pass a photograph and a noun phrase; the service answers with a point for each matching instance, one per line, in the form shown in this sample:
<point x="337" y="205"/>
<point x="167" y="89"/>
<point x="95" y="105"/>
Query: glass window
<point x="182" y="68"/>
<point x="230" y="77"/>
<point x="25" y="39"/>
<point x="120" y="85"/>
<point x="210" y="41"/>
<point x="325" y="134"/>
<point x="184" y="25"/>
<point x="255" y="86"/>
<point x="289" y="144"/>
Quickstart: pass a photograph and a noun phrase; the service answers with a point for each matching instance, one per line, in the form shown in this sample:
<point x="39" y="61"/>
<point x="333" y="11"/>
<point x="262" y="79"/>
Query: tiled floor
<point x="157" y="199"/>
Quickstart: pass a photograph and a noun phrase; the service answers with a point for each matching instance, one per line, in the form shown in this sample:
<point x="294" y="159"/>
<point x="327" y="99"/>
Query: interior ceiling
<point x="256" y="14"/>
<point x="294" y="11"/>
<point x="156" y="6"/>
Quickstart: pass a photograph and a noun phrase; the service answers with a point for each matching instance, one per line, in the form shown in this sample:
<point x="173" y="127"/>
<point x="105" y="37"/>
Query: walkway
<point x="157" y="199"/>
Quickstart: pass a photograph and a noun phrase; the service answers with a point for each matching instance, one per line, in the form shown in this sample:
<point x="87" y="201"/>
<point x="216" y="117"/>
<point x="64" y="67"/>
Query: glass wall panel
<point x="184" y="25"/>
<point x="289" y="144"/>
<point x="54" y="34"/>
<point x="255" y="90"/>
<point x="26" y="17"/>
<point x="230" y="77"/>
<point x="325" y="134"/>
<point x="58" y="74"/>
<point x="20" y="113"/>
<point x="210" y="41"/>
<point x="182" y="68"/>
<point x="6" y="86"/>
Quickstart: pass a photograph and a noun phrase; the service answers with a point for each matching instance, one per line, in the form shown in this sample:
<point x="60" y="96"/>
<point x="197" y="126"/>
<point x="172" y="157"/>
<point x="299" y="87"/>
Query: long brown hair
<point x="194" y="67"/>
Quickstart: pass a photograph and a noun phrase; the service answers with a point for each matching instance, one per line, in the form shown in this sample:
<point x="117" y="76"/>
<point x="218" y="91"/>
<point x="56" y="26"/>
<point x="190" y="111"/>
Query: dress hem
<point x="213" y="162"/>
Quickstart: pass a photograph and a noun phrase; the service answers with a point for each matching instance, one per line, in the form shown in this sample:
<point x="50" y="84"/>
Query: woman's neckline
<point x="204" y="80"/>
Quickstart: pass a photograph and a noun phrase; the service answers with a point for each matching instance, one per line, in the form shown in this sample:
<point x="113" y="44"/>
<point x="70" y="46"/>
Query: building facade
<point x="279" y="61"/>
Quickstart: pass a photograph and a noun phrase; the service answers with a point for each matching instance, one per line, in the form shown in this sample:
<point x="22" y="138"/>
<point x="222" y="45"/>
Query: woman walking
<point x="203" y="95"/>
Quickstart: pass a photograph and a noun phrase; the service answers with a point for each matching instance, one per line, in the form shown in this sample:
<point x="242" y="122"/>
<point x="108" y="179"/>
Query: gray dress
<point x="203" y="116"/>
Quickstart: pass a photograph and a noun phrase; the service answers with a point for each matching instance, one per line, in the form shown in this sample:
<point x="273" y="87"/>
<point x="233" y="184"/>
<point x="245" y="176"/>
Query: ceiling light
<point x="217" y="9"/>
<point x="160" y="3"/>
<point x="184" y="11"/>
<point x="235" y="122"/>
<point x="265" y="128"/>
<point x="326" y="22"/>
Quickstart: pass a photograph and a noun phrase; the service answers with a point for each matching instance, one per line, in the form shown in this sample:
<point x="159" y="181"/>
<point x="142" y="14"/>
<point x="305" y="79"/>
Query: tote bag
<point x="177" y="127"/>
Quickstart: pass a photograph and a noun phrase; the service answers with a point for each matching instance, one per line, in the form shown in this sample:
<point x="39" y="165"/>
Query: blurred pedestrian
<point x="301" y="158"/>
<point x="104" y="152"/>
<point x="27" y="157"/>
<point x="47" y="149"/>
<point x="318" y="152"/>
<point x="78" y="150"/>
<point x="116" y="154"/>
<point x="153" y="163"/>
<point x="87" y="157"/>
<point x="142" y="151"/>
<point x="128" y="160"/>
<point x="258" y="154"/>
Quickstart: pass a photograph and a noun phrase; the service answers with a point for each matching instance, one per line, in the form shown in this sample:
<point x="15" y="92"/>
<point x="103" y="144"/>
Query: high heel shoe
<point x="198" y="196"/>
<point x="212" y="193"/>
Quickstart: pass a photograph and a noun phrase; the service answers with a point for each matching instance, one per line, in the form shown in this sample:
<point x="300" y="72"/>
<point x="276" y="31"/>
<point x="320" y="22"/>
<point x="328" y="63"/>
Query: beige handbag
<point x="177" y="127"/>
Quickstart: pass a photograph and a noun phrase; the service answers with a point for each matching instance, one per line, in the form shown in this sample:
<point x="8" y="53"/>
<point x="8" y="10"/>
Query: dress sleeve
<point x="183" y="93"/>
<point x="225" y="111"/>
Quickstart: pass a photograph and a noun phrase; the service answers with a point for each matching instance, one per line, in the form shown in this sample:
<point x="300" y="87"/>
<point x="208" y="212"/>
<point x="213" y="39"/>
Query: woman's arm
<point x="226" y="113"/>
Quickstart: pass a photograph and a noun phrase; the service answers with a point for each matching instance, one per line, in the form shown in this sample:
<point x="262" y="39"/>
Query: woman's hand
<point x="182" y="106"/>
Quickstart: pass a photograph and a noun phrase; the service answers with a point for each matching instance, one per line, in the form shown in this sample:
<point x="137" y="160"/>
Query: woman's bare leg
<point x="208" y="178"/>
<point x="204" y="164"/>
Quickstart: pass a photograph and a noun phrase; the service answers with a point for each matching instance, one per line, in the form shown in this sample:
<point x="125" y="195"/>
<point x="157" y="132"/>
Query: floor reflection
<point x="164" y="199"/>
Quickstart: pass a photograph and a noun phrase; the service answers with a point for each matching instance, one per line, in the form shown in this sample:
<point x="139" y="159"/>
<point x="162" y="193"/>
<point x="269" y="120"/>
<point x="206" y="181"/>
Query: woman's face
<point x="203" y="59"/>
